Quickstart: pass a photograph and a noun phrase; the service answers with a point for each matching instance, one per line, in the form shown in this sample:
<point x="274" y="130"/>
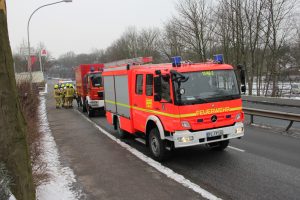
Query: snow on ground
<point x="62" y="178"/>
<point x="284" y="90"/>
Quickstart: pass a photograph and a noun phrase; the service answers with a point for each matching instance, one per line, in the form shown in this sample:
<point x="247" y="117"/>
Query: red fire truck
<point x="174" y="105"/>
<point x="89" y="87"/>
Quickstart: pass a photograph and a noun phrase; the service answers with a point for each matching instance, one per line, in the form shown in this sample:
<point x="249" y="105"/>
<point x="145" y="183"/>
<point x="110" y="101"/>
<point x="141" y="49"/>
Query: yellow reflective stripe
<point x="235" y="109"/>
<point x="117" y="103"/>
<point x="156" y="112"/>
<point x="172" y="115"/>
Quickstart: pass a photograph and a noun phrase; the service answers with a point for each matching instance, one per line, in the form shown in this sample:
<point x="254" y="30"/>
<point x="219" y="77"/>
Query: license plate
<point x="214" y="133"/>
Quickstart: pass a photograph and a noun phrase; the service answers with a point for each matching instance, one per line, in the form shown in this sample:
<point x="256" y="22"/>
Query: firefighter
<point x="62" y="94"/>
<point x="67" y="95"/>
<point x="72" y="95"/>
<point x="57" y="96"/>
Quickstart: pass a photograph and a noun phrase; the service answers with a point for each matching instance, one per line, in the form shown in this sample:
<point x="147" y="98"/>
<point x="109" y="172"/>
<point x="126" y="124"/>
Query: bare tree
<point x="193" y="21"/>
<point x="13" y="149"/>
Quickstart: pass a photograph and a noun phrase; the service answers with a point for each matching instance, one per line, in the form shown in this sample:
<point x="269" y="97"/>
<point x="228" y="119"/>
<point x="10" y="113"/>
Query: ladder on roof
<point x="131" y="61"/>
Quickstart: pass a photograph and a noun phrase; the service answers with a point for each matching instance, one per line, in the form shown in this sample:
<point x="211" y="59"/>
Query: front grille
<point x="100" y="94"/>
<point x="214" y="138"/>
<point x="201" y="140"/>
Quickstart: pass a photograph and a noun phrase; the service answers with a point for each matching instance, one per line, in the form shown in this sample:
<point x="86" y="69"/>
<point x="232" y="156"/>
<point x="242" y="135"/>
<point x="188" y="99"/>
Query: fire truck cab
<point x="175" y="105"/>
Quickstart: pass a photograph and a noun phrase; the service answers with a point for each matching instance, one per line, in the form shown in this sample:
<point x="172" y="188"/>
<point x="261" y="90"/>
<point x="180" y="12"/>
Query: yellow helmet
<point x="55" y="86"/>
<point x="71" y="85"/>
<point x="62" y="85"/>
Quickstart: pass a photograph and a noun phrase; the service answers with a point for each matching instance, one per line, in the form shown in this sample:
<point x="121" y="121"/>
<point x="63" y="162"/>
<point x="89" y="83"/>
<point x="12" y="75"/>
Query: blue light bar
<point x="218" y="58"/>
<point x="176" y="61"/>
<point x="92" y="69"/>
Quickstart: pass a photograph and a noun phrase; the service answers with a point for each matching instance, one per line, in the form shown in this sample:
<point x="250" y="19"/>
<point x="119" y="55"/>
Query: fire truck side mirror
<point x="157" y="88"/>
<point x="241" y="69"/>
<point x="243" y="89"/>
<point x="242" y="75"/>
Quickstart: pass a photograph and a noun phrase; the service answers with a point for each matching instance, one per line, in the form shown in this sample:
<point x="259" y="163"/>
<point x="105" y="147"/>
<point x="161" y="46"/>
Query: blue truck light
<point x="176" y="61"/>
<point x="218" y="58"/>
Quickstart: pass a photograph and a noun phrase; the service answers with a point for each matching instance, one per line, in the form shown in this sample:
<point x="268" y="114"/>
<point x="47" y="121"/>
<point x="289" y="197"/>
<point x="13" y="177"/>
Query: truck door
<point x="139" y="102"/>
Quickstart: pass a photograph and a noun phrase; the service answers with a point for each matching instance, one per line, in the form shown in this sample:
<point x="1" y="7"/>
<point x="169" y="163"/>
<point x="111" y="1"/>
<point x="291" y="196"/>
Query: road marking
<point x="231" y="147"/>
<point x="140" y="140"/>
<point x="165" y="170"/>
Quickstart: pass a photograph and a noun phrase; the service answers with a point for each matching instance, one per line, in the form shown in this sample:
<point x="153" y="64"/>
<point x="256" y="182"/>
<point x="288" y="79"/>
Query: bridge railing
<point x="292" y="117"/>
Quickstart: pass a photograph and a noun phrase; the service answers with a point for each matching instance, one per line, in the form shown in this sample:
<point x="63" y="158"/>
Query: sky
<point x="82" y="25"/>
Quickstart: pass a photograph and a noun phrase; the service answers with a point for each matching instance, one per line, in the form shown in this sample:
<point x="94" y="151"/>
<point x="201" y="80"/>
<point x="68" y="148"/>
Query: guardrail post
<point x="251" y="119"/>
<point x="290" y="125"/>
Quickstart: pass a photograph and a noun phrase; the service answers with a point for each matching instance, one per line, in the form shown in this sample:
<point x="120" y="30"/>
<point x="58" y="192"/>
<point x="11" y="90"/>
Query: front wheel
<point x="90" y="111"/>
<point x="219" y="146"/>
<point x="156" y="145"/>
<point x="83" y="103"/>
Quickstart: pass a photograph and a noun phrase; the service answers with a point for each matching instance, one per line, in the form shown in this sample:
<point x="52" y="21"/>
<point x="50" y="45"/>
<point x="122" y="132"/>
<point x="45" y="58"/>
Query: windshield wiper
<point x="231" y="96"/>
<point x="202" y="99"/>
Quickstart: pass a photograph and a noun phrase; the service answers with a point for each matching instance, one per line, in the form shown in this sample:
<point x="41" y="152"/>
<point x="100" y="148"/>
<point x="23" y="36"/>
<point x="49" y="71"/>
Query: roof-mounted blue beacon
<point x="92" y="68"/>
<point x="176" y="61"/>
<point x="218" y="58"/>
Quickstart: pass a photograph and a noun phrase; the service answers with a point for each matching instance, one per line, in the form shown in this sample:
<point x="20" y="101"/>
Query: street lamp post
<point x="28" y="37"/>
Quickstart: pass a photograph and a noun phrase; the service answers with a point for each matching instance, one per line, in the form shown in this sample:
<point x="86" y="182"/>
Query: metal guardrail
<point x="292" y="117"/>
<point x="272" y="100"/>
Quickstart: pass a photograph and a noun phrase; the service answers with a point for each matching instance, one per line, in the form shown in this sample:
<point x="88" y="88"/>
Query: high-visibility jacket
<point x="69" y="92"/>
<point x="57" y="93"/>
<point x="62" y="92"/>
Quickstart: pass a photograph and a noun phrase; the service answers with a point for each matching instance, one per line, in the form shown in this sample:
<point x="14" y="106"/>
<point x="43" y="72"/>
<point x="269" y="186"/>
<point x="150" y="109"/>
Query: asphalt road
<point x="269" y="167"/>
<point x="265" y="164"/>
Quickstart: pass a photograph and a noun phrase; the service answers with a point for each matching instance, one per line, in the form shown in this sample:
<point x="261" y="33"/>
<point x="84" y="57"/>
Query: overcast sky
<point x="82" y="25"/>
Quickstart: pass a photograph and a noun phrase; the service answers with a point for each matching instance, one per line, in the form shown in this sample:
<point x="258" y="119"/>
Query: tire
<point x="102" y="112"/>
<point x="121" y="133"/>
<point x="90" y="111"/>
<point x="156" y="145"/>
<point x="83" y="105"/>
<point x="219" y="146"/>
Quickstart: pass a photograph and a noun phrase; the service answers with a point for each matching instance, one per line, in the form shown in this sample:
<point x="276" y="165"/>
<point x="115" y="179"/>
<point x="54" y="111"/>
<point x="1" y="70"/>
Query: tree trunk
<point x="13" y="148"/>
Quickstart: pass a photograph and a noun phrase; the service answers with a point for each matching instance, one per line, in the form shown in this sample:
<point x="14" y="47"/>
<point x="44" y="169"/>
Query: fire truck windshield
<point x="207" y="86"/>
<point x="96" y="79"/>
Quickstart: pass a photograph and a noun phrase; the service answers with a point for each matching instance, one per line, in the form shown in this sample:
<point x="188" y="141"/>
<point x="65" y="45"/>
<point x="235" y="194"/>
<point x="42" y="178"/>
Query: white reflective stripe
<point x="115" y="69"/>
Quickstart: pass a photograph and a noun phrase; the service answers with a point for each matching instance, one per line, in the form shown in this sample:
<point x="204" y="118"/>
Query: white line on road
<point x="140" y="140"/>
<point x="231" y="147"/>
<point x="165" y="170"/>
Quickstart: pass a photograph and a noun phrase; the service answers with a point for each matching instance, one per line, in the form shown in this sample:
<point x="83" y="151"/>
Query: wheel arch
<point x="154" y="121"/>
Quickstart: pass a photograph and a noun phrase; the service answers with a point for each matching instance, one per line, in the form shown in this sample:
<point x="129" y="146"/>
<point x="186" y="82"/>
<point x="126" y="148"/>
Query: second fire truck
<point x="89" y="87"/>
<point x="174" y="105"/>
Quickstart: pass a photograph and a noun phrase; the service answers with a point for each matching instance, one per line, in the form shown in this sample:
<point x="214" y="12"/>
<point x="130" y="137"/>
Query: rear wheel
<point x="156" y="145"/>
<point x="122" y="134"/>
<point x="219" y="146"/>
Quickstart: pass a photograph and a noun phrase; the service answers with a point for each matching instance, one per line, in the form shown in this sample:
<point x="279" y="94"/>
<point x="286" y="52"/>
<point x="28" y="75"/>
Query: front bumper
<point x="96" y="104"/>
<point x="200" y="137"/>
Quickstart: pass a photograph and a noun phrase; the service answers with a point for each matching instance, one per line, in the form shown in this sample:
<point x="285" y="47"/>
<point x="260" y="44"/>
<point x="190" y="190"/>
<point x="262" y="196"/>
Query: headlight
<point x="185" y="124"/>
<point x="185" y="139"/>
<point x="93" y="103"/>
<point x="239" y="130"/>
<point x="238" y="116"/>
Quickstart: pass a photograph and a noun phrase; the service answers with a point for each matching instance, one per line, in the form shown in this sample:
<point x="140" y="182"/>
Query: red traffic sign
<point x="43" y="52"/>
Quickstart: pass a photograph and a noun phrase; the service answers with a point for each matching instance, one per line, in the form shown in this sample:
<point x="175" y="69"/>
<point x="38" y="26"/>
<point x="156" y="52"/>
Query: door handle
<point x="134" y="104"/>
<point x="156" y="108"/>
